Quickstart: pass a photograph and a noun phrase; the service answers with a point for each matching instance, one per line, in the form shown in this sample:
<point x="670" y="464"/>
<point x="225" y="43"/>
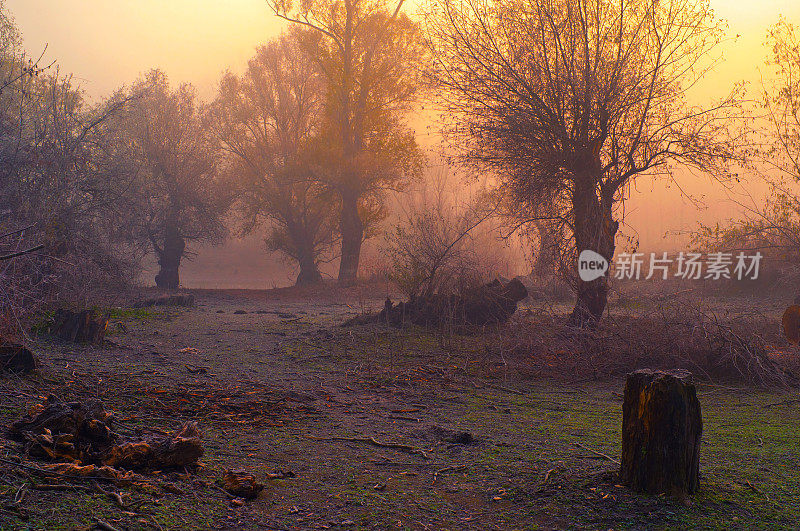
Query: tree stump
<point x="78" y="327"/>
<point x="661" y="429"/>
<point x="16" y="358"/>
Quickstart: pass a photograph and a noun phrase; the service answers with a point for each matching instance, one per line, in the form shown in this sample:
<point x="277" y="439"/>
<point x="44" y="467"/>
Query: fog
<point x="105" y="45"/>
<point x="377" y="264"/>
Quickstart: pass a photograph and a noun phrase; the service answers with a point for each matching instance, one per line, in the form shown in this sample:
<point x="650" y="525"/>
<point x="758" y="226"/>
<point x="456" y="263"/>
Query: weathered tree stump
<point x="16" y="358"/>
<point x="78" y="327"/>
<point x="661" y="429"/>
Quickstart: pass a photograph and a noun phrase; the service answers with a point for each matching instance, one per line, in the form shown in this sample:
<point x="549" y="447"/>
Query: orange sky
<point x="108" y="43"/>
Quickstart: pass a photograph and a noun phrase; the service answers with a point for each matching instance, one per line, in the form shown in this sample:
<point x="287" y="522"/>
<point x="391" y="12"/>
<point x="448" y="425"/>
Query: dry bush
<point x="63" y="175"/>
<point x="676" y="336"/>
<point x="23" y="285"/>
<point x="444" y="242"/>
<point x="34" y="281"/>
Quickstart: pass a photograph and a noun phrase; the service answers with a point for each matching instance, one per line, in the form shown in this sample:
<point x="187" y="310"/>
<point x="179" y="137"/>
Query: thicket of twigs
<point x="33" y="281"/>
<point x="445" y="240"/>
<point x="666" y="337"/>
<point x="60" y="188"/>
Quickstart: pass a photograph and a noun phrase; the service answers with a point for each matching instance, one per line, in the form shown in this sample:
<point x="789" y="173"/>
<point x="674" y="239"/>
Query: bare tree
<point x="59" y="187"/>
<point x="177" y="197"/>
<point x="368" y="51"/>
<point x="269" y="121"/>
<point x="569" y="100"/>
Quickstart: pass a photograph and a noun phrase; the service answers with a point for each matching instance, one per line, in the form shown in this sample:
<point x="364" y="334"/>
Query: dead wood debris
<point x="167" y="300"/>
<point x="599" y="454"/>
<point x="489" y="304"/>
<point x="374" y="442"/>
<point x="241" y="484"/>
<point x="83" y="452"/>
<point x="80" y="439"/>
<point x="16" y="358"/>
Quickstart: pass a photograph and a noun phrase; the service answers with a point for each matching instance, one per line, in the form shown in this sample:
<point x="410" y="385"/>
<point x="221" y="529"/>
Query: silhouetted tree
<point x="268" y="121"/>
<point x="572" y="99"/>
<point x="177" y="197"/>
<point x="368" y="52"/>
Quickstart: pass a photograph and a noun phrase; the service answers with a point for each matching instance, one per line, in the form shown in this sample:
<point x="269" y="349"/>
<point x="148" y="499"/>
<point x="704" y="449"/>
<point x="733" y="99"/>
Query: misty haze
<point x="377" y="264"/>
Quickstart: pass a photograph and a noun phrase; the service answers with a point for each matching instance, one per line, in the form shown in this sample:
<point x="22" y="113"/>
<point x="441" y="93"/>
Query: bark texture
<point x="596" y="230"/>
<point x="661" y="430"/>
<point x="352" y="236"/>
<point x="169" y="259"/>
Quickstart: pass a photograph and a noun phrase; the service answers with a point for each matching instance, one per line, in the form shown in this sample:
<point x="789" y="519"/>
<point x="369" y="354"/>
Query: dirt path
<point x="375" y="428"/>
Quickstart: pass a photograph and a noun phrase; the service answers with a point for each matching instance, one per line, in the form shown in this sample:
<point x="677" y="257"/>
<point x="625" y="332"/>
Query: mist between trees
<point x="548" y="110"/>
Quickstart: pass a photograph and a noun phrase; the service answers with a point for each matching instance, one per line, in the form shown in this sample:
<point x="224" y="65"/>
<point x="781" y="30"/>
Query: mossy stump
<point x="661" y="430"/>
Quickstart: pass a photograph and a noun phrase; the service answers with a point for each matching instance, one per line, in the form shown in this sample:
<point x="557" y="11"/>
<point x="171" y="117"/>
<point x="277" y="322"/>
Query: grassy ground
<point x="286" y="389"/>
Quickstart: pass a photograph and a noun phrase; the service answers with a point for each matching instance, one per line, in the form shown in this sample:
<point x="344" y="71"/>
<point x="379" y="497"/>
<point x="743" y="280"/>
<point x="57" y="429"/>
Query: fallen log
<point x="488" y="304"/>
<point x="167" y="300"/>
<point x="661" y="430"/>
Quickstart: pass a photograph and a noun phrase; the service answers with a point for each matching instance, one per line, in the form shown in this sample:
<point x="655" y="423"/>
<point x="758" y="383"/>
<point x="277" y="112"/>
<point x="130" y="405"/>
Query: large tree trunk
<point x="169" y="259"/>
<point x="595" y="230"/>
<point x="352" y="237"/>
<point x="309" y="272"/>
<point x="546" y="257"/>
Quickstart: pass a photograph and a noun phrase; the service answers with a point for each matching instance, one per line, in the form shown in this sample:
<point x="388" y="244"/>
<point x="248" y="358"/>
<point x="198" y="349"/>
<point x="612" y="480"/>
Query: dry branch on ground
<point x="669" y="337"/>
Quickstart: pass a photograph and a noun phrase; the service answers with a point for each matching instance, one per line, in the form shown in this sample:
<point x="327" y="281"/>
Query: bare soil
<point x="364" y="428"/>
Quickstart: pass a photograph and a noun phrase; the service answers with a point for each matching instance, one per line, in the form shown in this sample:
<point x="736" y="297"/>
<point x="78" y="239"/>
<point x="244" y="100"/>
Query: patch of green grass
<point x="141" y="314"/>
<point x="750" y="467"/>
